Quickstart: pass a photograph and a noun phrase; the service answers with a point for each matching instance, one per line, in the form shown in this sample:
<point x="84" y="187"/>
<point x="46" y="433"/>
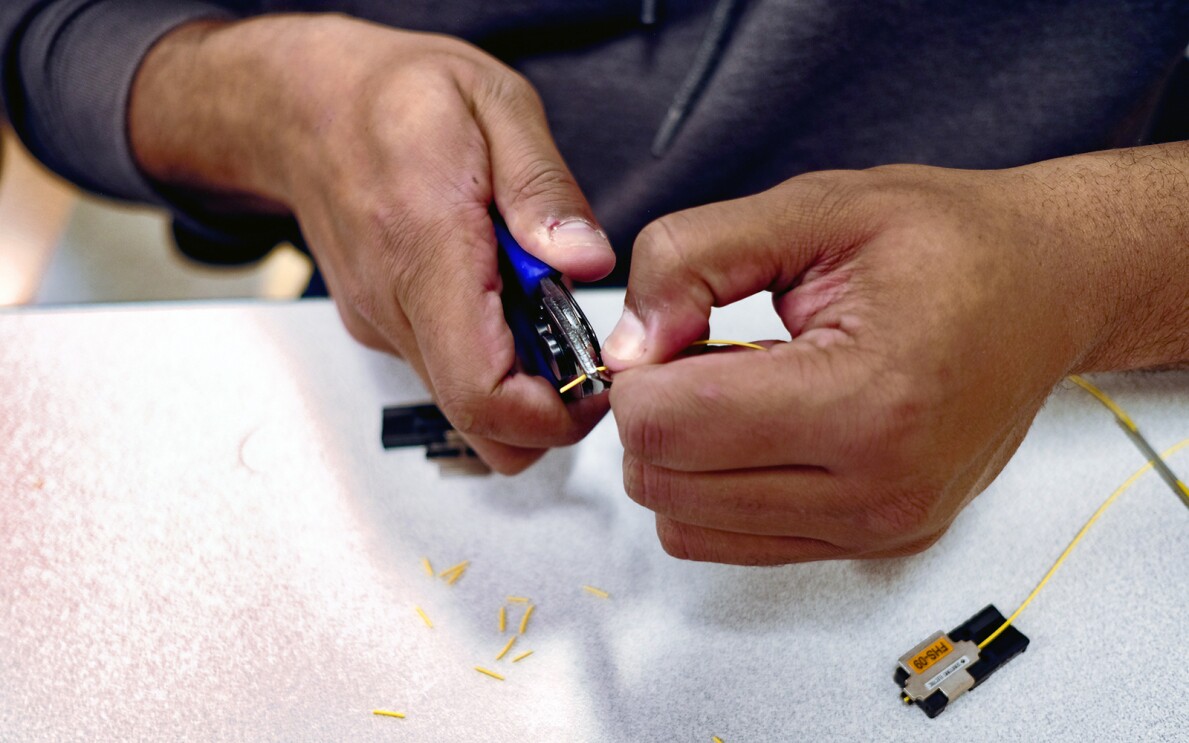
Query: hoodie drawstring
<point x="706" y="59"/>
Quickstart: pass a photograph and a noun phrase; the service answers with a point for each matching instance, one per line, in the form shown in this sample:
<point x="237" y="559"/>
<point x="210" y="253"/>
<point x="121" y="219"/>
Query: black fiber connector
<point x="413" y="425"/>
<point x="945" y="666"/>
<point x="424" y="426"/>
<point x="1010" y="642"/>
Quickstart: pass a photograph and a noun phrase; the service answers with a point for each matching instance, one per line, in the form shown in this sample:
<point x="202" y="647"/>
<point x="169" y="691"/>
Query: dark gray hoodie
<point x="754" y="91"/>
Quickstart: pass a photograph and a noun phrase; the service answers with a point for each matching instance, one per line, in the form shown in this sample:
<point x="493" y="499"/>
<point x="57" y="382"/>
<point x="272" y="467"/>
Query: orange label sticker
<point x="930" y="655"/>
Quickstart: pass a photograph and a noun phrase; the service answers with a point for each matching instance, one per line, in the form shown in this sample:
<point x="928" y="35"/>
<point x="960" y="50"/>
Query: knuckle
<point x="362" y="308"/>
<point x="892" y="436"/>
<point x="907" y="548"/>
<point x="676" y="540"/>
<point x="665" y="255"/>
<point x="511" y="463"/>
<point x="661" y="243"/>
<point x="418" y="91"/>
<point x="644" y="432"/>
<point x="651" y="487"/>
<point x="509" y="88"/>
<point x="917" y="546"/>
<point x="835" y="205"/>
<point x="363" y="334"/>
<point x="540" y="178"/>
<point x="903" y="516"/>
<point x="463" y="406"/>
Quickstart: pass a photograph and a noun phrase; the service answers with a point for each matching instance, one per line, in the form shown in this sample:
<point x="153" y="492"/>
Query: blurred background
<point x="60" y="246"/>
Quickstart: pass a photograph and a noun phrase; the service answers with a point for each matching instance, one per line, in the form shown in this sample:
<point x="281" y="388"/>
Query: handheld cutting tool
<point x="553" y="340"/>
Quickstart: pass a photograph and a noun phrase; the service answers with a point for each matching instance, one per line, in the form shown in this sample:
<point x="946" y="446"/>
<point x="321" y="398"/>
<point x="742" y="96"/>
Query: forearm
<point x="67" y="69"/>
<point x="1125" y="213"/>
<point x="211" y="112"/>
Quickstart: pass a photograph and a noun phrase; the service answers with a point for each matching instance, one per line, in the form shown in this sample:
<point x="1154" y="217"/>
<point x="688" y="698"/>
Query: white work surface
<point x="201" y="537"/>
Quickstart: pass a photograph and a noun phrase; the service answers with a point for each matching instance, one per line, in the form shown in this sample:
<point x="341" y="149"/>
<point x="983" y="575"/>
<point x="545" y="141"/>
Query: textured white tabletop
<point x="201" y="538"/>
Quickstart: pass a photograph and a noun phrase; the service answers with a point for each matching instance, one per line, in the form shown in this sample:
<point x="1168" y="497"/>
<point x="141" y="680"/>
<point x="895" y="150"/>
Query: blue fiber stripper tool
<point x="553" y="340"/>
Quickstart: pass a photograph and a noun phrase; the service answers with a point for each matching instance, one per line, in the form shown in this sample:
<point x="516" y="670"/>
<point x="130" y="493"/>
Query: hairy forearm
<point x="213" y="111"/>
<point x="1125" y="213"/>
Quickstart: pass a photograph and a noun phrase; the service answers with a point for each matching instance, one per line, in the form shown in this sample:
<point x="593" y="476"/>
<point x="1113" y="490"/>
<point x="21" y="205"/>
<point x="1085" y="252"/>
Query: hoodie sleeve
<point x="67" y="67"/>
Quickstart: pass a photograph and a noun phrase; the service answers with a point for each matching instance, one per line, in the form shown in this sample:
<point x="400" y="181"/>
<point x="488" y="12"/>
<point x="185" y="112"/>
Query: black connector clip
<point x="424" y="425"/>
<point x="946" y="666"/>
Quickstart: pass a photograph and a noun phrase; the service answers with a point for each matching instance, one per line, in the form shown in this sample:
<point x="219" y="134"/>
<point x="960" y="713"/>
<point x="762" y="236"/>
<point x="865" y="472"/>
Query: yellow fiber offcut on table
<point x="524" y="620"/>
<point x="506" y="648"/>
<point x="451" y="575"/>
<point x="388" y="713"/>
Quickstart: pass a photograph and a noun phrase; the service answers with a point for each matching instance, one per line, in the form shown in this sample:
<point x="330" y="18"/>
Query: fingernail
<point x="626" y="342"/>
<point x="578" y="233"/>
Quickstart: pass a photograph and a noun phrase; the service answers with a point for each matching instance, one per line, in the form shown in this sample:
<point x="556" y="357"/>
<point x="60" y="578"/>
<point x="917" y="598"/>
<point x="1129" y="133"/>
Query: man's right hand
<point x="388" y="147"/>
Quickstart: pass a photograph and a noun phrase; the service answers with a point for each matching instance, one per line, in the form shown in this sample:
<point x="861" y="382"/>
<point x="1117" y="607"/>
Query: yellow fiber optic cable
<point x="1081" y="533"/>
<point x="741" y="344"/>
<point x="1103" y="398"/>
<point x="577" y="381"/>
<point x="1178" y="486"/>
<point x="582" y="377"/>
<point x="1155" y="461"/>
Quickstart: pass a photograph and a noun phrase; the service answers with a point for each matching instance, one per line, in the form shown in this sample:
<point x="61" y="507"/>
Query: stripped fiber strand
<point x="715" y="739"/>
<point x="503" y="620"/>
<point x="740" y="344"/>
<point x="424" y="618"/>
<point x="388" y="713"/>
<point x="577" y="381"/>
<point x="596" y="592"/>
<point x="506" y="648"/>
<point x="522" y="656"/>
<point x="582" y="377"/>
<point x="518" y="599"/>
<point x="486" y="672"/>
<point x="428" y="568"/>
<point x="524" y="620"/>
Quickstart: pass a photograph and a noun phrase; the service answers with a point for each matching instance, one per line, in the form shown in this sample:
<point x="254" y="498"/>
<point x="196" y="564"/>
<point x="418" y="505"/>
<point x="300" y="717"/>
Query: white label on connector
<point x="950" y="670"/>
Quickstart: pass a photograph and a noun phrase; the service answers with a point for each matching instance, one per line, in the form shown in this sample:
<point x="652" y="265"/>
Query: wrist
<point x="1117" y="220"/>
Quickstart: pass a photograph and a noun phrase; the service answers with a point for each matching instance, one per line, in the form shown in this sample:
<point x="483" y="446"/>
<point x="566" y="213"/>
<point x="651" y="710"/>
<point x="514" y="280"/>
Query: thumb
<point x="687" y="263"/>
<point x="535" y="191"/>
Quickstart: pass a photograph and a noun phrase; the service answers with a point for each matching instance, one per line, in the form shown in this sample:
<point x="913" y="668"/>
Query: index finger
<point x="795" y="404"/>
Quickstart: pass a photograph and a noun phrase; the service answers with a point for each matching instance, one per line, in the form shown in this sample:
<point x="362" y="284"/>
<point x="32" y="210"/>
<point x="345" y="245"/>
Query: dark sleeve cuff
<point x="68" y="77"/>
